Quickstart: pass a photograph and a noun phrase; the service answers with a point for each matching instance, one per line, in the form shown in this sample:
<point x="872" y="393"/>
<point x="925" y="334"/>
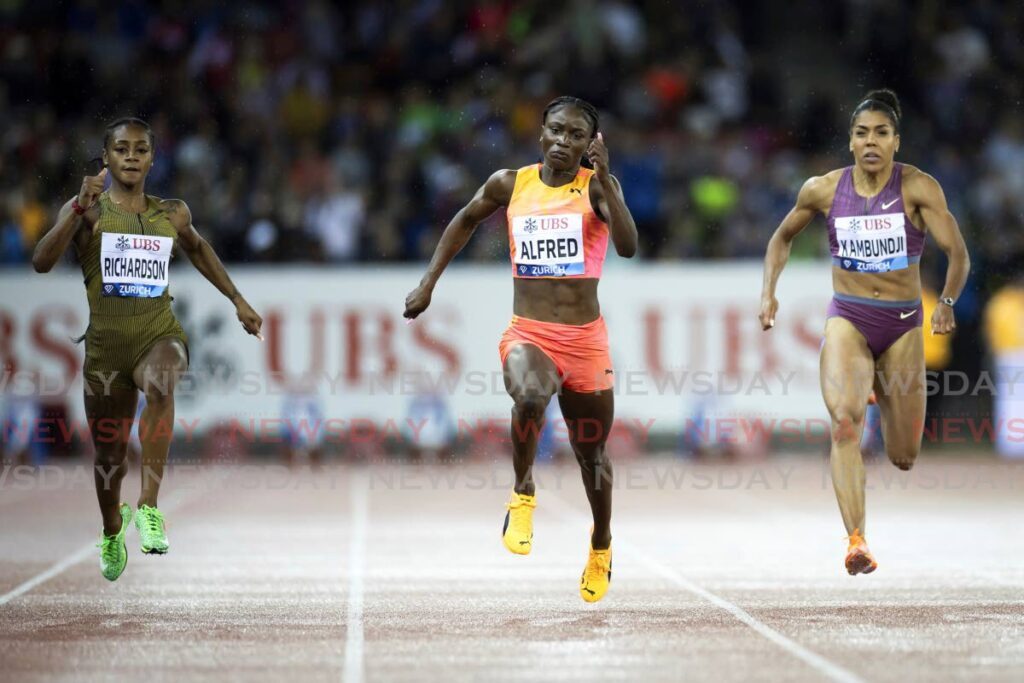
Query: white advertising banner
<point x="685" y="342"/>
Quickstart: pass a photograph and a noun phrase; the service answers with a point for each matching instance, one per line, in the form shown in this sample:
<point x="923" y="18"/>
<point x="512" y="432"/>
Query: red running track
<point x="398" y="573"/>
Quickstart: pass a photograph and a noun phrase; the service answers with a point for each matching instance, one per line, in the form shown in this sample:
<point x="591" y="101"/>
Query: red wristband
<point x="76" y="207"/>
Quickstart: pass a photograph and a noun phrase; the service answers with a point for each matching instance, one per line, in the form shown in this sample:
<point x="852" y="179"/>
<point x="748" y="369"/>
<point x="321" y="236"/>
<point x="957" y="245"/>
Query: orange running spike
<point x="859" y="559"/>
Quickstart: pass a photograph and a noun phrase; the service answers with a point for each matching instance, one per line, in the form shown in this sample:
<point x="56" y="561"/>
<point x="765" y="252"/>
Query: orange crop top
<point x="553" y="231"/>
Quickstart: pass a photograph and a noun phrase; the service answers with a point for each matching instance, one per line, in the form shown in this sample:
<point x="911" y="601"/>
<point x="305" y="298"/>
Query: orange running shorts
<point x="580" y="352"/>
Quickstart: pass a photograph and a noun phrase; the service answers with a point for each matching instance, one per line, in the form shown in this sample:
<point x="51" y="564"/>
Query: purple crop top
<point x="872" y="235"/>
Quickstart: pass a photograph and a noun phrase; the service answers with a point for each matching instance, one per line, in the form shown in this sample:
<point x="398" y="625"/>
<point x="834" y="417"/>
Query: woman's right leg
<point x="531" y="379"/>
<point x="110" y="412"/>
<point x="847" y="373"/>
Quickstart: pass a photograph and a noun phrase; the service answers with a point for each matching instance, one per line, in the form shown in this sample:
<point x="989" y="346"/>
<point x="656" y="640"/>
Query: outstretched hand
<point x="769" y="307"/>
<point x="250" y="319"/>
<point x="943" y="321"/>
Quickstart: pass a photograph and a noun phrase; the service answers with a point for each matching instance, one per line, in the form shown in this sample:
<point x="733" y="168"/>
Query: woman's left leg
<point x="900" y="390"/>
<point x="157" y="375"/>
<point x="588" y="417"/>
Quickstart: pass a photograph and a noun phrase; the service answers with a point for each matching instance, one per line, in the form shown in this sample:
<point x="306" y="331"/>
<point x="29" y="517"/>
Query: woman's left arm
<point x="926" y="194"/>
<point x="206" y="261"/>
<point x="610" y="202"/>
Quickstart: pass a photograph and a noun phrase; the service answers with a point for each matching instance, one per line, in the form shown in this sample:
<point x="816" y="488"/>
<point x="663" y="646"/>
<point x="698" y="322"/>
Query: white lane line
<point x="359" y="497"/>
<point x="831" y="670"/>
<point x="176" y="501"/>
<point x="68" y="562"/>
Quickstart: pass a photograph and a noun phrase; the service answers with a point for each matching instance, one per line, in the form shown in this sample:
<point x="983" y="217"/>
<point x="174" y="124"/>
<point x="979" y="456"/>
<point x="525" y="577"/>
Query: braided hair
<point x="568" y="101"/>
<point x="108" y="134"/>
<point x="588" y="110"/>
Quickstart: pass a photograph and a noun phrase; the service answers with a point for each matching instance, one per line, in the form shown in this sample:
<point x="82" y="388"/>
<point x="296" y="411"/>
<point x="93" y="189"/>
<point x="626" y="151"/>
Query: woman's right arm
<point x="808" y="202"/>
<point x="55" y="242"/>
<point x="494" y="194"/>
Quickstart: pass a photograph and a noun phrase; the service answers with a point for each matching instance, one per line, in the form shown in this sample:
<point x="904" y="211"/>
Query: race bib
<point x="872" y="244"/>
<point x="548" y="246"/>
<point x="134" y="265"/>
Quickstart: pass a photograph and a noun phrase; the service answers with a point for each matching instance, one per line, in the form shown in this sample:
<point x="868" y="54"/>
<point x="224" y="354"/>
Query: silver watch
<point x="948" y="300"/>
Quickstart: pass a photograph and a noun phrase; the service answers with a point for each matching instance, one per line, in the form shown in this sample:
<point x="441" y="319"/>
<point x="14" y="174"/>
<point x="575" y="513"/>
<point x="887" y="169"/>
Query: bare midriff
<point x="897" y="285"/>
<point x="566" y="301"/>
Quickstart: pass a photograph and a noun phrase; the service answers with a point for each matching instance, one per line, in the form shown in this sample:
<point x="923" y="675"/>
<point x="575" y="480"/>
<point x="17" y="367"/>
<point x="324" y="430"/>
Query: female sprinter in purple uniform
<point x="878" y="212"/>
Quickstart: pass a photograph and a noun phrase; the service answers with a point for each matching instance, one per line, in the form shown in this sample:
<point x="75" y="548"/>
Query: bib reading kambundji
<point x="872" y="244"/>
<point x="548" y="245"/>
<point x="135" y="265"/>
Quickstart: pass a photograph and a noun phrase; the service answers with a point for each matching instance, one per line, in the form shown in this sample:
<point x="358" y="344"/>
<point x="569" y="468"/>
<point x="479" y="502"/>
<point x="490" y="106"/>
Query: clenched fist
<point x="92" y="187"/>
<point x="417" y="301"/>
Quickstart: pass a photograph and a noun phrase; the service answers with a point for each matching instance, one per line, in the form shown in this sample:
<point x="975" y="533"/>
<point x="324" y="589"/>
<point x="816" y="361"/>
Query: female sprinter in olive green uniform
<point x="124" y="239"/>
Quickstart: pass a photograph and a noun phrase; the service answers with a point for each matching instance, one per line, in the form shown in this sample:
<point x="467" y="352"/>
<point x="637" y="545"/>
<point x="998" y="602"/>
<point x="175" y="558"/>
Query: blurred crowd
<point x="351" y="132"/>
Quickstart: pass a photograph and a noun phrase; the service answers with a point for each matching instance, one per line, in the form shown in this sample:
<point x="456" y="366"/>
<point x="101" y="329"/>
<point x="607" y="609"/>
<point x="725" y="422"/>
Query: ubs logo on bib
<point x="530" y="226"/>
<point x="122" y="244"/>
<point x="145" y="243"/>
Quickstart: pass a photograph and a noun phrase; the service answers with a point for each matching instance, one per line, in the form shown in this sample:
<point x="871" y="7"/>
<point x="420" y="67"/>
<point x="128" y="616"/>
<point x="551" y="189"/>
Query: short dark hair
<point x="108" y="133"/>
<point x="589" y="110"/>
<point x="883" y="100"/>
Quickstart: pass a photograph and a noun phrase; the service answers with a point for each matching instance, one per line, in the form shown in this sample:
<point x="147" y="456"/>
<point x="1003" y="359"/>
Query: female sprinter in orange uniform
<point x="125" y="239"/>
<point x="559" y="222"/>
<point x="878" y="212"/>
